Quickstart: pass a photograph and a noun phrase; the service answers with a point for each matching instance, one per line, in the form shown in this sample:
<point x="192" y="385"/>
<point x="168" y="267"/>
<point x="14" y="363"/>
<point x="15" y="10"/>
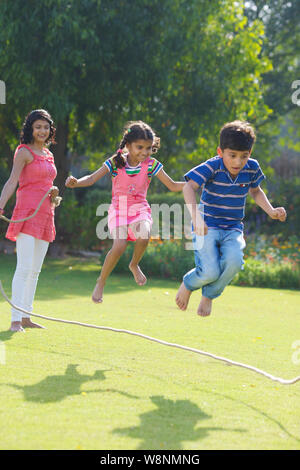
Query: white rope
<point x="174" y="345"/>
<point x="56" y="201"/>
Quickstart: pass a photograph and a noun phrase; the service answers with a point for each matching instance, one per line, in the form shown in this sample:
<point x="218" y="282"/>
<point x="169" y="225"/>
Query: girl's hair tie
<point x="120" y="151"/>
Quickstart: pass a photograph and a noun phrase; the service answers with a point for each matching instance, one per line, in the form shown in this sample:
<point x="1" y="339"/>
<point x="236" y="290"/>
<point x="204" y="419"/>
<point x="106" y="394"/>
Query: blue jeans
<point x="218" y="258"/>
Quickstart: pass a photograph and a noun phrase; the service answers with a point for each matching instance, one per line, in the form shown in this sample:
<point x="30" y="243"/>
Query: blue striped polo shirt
<point x="223" y="198"/>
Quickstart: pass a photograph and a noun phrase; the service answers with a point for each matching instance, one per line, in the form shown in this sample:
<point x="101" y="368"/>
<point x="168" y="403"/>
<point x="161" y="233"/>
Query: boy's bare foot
<point x="27" y="323"/>
<point x="138" y="274"/>
<point x="205" y="307"/>
<point x="16" y="326"/>
<point x="183" y="297"/>
<point x="97" y="295"/>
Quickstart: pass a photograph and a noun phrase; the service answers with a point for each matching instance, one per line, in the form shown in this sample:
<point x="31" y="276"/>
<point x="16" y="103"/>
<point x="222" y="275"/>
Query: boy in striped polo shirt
<point x="218" y="238"/>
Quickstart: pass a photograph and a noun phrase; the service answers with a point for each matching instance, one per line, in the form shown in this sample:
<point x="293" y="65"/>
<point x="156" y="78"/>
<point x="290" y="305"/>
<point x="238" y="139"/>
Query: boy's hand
<point x="278" y="213"/>
<point x="71" y="182"/>
<point x="201" y="228"/>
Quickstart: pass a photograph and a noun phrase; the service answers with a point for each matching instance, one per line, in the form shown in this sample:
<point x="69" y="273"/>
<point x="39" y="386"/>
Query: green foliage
<point x="169" y="259"/>
<point x="206" y="61"/>
<point x="166" y="259"/>
<point x="275" y="276"/>
<point x="76" y="224"/>
<point x="282" y="43"/>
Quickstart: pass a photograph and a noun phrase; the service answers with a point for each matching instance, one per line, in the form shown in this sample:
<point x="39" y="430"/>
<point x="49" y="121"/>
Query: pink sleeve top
<point x="35" y="180"/>
<point x="129" y="192"/>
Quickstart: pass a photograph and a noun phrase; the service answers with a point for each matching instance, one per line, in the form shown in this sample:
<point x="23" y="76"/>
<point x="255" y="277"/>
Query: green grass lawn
<point x="69" y="387"/>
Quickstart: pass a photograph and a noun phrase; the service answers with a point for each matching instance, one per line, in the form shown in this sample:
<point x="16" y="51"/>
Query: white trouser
<point x="30" y="257"/>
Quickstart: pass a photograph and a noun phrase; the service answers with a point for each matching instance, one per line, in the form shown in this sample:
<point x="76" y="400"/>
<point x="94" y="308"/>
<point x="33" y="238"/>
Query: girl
<point x="129" y="215"/>
<point x="34" y="170"/>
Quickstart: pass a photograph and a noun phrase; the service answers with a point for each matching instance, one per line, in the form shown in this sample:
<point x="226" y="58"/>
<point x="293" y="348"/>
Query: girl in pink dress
<point x="34" y="170"/>
<point x="129" y="216"/>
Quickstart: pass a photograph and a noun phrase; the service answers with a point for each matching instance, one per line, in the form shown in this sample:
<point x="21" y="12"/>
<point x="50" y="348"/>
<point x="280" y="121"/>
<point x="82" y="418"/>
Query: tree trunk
<point x="60" y="154"/>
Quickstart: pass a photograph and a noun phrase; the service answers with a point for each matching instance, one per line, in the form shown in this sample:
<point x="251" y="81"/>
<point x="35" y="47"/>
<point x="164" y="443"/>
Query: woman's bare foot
<point x="97" y="295"/>
<point x="138" y="275"/>
<point x="205" y="307"/>
<point x="27" y="323"/>
<point x="183" y="297"/>
<point x="16" y="326"/>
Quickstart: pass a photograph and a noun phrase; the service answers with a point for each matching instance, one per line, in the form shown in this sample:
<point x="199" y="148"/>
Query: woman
<point x="34" y="170"/>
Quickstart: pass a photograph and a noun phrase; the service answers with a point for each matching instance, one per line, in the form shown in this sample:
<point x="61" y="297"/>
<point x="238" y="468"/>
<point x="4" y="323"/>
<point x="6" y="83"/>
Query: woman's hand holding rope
<point x="55" y="199"/>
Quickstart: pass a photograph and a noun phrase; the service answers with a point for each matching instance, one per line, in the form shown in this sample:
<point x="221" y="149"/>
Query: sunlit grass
<point x="69" y="387"/>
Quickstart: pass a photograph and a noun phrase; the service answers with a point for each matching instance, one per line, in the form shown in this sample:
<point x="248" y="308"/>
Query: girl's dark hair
<point x="237" y="135"/>
<point x="135" y="130"/>
<point x="35" y="115"/>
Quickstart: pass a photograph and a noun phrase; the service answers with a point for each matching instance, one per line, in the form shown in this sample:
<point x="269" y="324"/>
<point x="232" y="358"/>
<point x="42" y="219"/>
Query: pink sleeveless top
<point x="35" y="180"/>
<point x="129" y="193"/>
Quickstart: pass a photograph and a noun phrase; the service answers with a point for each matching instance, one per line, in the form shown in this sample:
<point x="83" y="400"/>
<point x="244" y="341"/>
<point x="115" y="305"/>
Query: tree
<point x="185" y="66"/>
<point x="282" y="44"/>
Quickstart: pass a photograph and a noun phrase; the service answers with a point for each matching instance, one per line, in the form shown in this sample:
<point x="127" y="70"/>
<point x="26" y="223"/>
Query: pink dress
<point x="35" y="180"/>
<point x="129" y="193"/>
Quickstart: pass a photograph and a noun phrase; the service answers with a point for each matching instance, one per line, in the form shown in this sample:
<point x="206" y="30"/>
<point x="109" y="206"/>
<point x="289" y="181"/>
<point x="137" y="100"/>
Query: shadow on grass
<point x="260" y="412"/>
<point x="6" y="335"/>
<point x="55" y="388"/>
<point x="170" y="424"/>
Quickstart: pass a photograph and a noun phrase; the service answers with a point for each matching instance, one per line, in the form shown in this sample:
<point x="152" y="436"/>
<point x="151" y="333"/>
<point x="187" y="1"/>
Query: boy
<point x="226" y="180"/>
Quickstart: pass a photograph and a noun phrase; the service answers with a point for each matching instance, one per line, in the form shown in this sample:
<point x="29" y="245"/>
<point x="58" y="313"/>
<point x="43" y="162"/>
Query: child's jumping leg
<point x="205" y="307"/>
<point x="183" y="297"/>
<point x="207" y="267"/>
<point x="141" y="231"/>
<point x="231" y="261"/>
<point x="112" y="257"/>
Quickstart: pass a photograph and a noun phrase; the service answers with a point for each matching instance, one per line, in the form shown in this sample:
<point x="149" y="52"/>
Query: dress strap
<point x="49" y="152"/>
<point x="49" y="156"/>
<point x="24" y="146"/>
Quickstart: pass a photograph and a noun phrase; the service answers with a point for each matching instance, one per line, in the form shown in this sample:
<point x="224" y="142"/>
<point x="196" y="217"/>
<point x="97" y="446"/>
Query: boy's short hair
<point x="237" y="135"/>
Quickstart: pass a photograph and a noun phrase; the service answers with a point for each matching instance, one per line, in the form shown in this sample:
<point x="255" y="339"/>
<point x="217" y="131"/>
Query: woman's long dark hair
<point x="135" y="130"/>
<point x="35" y="115"/>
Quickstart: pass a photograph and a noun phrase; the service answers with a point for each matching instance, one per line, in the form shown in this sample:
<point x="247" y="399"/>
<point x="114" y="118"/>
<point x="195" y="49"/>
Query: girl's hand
<point x="278" y="213"/>
<point x="71" y="182"/>
<point x="1" y="211"/>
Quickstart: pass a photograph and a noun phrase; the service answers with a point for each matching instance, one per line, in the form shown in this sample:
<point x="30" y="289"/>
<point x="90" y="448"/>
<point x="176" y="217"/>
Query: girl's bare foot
<point x="16" y="326"/>
<point x="138" y="275"/>
<point x="205" y="306"/>
<point x="97" y="296"/>
<point x="27" y="323"/>
<point x="183" y="297"/>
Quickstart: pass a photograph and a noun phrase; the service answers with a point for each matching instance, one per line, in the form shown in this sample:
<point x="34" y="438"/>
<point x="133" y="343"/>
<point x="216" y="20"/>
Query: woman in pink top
<point x="129" y="216"/>
<point x="34" y="170"/>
